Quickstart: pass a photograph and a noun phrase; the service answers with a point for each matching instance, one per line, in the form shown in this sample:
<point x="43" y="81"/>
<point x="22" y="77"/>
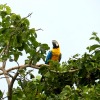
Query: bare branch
<point x="28" y="15"/>
<point x="3" y="77"/>
<point x="5" y="74"/>
<point x="39" y="29"/>
<point x="22" y="67"/>
<point x="10" y="75"/>
<point x="37" y="67"/>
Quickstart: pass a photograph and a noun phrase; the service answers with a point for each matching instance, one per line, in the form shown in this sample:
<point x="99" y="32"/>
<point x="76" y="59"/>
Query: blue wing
<point x="49" y="55"/>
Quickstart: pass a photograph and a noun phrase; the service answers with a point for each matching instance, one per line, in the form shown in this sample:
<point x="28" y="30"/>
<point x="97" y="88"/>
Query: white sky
<point x="70" y="22"/>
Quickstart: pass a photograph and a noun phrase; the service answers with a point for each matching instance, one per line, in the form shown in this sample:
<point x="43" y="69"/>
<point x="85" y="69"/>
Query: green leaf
<point x="97" y="39"/>
<point x="93" y="47"/>
<point x="32" y="31"/>
<point x="13" y="16"/>
<point x="43" y="48"/>
<point x="6" y="22"/>
<point x="65" y="92"/>
<point x="92" y="38"/>
<point x="1" y="7"/>
<point x="3" y="14"/>
<point x="8" y="9"/>
<point x="22" y="71"/>
<point x="94" y="33"/>
<point x="19" y="82"/>
<point x="43" y="70"/>
<point x="26" y="21"/>
<point x="16" y="55"/>
<point x="97" y="54"/>
<point x="1" y="94"/>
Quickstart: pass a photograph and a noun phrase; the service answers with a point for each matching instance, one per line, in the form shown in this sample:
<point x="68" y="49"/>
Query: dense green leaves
<point x="76" y="79"/>
<point x="16" y="32"/>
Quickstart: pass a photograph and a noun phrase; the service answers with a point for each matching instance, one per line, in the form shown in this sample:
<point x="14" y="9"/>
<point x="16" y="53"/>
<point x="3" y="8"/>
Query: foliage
<point x="57" y="81"/>
<point x="16" y="36"/>
<point x="76" y="79"/>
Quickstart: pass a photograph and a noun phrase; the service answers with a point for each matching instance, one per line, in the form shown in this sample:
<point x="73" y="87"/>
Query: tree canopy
<point x="76" y="79"/>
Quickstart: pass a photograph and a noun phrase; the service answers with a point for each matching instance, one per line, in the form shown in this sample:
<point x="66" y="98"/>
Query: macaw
<point x="54" y="54"/>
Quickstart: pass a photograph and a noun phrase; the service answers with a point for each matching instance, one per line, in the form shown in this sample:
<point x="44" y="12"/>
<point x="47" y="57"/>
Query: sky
<point x="70" y="22"/>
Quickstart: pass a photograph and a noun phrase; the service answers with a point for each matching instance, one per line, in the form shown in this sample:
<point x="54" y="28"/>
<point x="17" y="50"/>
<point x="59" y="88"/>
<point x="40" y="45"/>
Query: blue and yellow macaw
<point x="54" y="54"/>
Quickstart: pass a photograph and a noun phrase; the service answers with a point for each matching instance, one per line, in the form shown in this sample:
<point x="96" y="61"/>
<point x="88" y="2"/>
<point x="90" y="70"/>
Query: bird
<point x="54" y="54"/>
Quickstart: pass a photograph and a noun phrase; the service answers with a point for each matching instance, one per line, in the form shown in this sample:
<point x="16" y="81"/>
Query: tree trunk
<point x="10" y="92"/>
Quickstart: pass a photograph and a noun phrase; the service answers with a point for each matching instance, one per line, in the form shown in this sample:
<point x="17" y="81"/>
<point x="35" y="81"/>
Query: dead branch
<point x="39" y="29"/>
<point x="28" y="15"/>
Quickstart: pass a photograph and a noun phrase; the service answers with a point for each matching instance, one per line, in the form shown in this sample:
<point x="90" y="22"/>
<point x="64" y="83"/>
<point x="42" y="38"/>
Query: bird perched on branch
<point x="54" y="54"/>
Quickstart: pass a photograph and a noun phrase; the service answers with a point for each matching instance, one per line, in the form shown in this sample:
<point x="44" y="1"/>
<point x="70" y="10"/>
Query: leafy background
<point x="56" y="81"/>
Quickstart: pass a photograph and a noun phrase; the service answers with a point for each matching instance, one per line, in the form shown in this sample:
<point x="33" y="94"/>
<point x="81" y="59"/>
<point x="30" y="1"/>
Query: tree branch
<point x="39" y="29"/>
<point x="28" y="15"/>
<point x="4" y="64"/>
<point x="6" y="76"/>
<point x="22" y="67"/>
<point x="11" y="86"/>
<point x="11" y="83"/>
<point x="3" y="77"/>
<point x="37" y="67"/>
<point x="0" y="68"/>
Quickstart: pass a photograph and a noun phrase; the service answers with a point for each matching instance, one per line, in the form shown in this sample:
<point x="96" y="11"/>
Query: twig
<point x="3" y="77"/>
<point x="39" y="29"/>
<point x="28" y="15"/>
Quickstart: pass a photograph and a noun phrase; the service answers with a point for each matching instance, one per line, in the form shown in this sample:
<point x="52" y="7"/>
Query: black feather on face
<point x="55" y="44"/>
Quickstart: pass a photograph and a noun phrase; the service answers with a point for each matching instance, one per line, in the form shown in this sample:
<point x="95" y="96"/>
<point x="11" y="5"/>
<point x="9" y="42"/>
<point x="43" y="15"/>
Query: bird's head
<point x="55" y="44"/>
